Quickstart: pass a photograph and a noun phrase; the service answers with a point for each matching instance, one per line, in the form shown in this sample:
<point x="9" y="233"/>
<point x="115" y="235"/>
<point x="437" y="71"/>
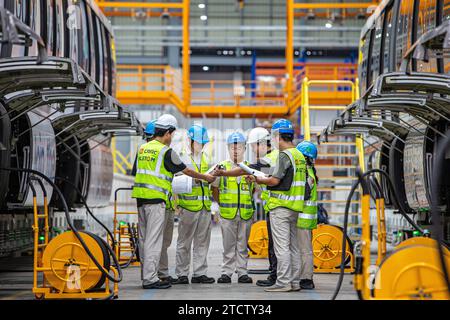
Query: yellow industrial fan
<point x="68" y="268"/>
<point x="327" y="249"/>
<point x="63" y="267"/>
<point x="413" y="271"/>
<point x="258" y="241"/>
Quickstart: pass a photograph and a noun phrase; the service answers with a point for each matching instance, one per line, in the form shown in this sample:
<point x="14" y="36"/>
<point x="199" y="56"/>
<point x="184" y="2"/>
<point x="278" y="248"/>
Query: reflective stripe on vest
<point x="308" y="218"/>
<point x="286" y="197"/>
<point x="235" y="196"/>
<point x="153" y="173"/>
<point x="201" y="196"/>
<point x="152" y="187"/>
<point x="235" y="205"/>
<point x="152" y="180"/>
<point x="292" y="199"/>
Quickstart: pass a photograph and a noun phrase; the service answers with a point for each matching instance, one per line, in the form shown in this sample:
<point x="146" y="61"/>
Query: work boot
<point x="224" y="279"/>
<point x="167" y="279"/>
<point x="277" y="288"/>
<point x="157" y="285"/>
<point x="245" y="279"/>
<point x="202" y="279"/>
<point x="181" y="280"/>
<point x="266" y="283"/>
<point x="307" y="284"/>
<point x="295" y="286"/>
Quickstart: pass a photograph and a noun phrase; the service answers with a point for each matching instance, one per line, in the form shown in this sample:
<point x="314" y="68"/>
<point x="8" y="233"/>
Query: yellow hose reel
<point x="413" y="272"/>
<point x="258" y="241"/>
<point x="68" y="267"/>
<point x="327" y="249"/>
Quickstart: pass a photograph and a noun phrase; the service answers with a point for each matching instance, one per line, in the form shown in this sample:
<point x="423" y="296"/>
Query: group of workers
<point x="285" y="177"/>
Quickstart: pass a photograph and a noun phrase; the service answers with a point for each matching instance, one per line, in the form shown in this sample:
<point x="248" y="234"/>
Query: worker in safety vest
<point x="194" y="226"/>
<point x="307" y="220"/>
<point x="235" y="198"/>
<point x="156" y="165"/>
<point x="286" y="187"/>
<point x="266" y="158"/>
<point x="163" y="270"/>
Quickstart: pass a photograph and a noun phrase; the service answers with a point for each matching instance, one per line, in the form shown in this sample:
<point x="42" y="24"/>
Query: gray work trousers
<point x="163" y="271"/>
<point x="235" y="235"/>
<point x="193" y="228"/>
<point x="284" y="232"/>
<point x="306" y="253"/>
<point x="152" y="218"/>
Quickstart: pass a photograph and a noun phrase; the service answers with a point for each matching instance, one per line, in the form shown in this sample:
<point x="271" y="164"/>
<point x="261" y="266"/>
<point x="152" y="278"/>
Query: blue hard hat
<point x="236" y="137"/>
<point x="308" y="149"/>
<point x="198" y="134"/>
<point x="150" y="128"/>
<point x="283" y="126"/>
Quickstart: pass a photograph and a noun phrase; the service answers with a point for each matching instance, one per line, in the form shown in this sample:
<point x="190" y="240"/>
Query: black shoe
<point x="167" y="279"/>
<point x="307" y="284"/>
<point x="181" y="280"/>
<point x="157" y="285"/>
<point x="266" y="283"/>
<point x="202" y="279"/>
<point x="224" y="279"/>
<point x="245" y="279"/>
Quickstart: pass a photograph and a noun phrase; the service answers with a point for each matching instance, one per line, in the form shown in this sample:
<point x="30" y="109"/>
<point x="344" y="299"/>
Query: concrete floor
<point x="17" y="285"/>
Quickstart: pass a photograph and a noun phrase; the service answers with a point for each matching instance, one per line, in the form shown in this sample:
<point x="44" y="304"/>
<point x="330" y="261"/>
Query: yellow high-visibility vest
<point x="292" y="199"/>
<point x="152" y="180"/>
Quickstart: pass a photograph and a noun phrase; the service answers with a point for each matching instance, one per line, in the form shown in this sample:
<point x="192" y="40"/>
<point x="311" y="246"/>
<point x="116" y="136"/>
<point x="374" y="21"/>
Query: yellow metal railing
<point x="267" y="95"/>
<point x="337" y="159"/>
<point x="306" y="103"/>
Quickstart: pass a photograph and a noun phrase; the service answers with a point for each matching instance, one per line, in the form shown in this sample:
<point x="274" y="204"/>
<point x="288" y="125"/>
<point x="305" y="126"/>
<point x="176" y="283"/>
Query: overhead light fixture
<point x="329" y="25"/>
<point x="205" y="68"/>
<point x="249" y="52"/>
<point x="201" y="5"/>
<point x="203" y="17"/>
<point x="231" y="52"/>
<point x="225" y="52"/>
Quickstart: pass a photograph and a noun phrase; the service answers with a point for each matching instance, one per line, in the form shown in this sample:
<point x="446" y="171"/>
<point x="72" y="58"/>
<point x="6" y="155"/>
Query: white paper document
<point x="251" y="171"/>
<point x="182" y="184"/>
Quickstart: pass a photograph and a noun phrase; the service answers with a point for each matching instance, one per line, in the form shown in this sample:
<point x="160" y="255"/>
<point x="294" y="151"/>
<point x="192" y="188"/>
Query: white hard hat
<point x="166" y="121"/>
<point x="258" y="135"/>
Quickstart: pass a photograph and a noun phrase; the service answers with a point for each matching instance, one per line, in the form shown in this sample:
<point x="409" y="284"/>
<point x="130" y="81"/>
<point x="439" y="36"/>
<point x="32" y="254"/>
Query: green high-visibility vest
<point x="152" y="180"/>
<point x="234" y="196"/>
<point x="292" y="199"/>
<point x="308" y="218"/>
<point x="201" y="196"/>
<point x="271" y="159"/>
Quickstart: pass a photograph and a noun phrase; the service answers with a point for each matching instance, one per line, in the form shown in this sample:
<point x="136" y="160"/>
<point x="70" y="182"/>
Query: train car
<point x="57" y="106"/>
<point x="403" y="72"/>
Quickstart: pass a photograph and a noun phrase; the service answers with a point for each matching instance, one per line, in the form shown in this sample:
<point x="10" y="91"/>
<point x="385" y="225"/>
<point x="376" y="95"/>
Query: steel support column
<point x="289" y="51"/>
<point x="186" y="57"/>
